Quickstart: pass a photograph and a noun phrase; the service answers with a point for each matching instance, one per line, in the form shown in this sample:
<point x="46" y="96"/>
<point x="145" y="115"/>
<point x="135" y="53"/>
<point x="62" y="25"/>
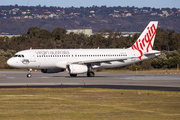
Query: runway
<point x="16" y="79"/>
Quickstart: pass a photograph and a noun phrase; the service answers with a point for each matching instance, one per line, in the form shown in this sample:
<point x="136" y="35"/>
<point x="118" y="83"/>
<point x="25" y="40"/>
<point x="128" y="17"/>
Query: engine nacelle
<point x="51" y="70"/>
<point x="76" y="69"/>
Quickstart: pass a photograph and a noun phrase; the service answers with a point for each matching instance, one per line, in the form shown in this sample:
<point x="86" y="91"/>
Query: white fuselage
<point x="59" y="58"/>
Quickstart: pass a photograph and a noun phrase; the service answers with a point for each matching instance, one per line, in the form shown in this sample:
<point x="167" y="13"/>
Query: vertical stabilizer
<point x="146" y="40"/>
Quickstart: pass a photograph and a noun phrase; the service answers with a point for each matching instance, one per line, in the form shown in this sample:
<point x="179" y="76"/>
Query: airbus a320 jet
<point x="78" y="61"/>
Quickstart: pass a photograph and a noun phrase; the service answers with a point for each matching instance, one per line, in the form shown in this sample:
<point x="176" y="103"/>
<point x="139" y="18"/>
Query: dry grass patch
<point x="88" y="104"/>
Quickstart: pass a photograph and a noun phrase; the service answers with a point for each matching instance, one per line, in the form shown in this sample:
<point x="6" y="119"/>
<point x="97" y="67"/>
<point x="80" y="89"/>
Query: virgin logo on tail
<point x="146" y="42"/>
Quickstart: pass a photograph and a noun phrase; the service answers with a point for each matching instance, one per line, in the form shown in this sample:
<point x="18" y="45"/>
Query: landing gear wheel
<point x="29" y="75"/>
<point x="91" y="74"/>
<point x="73" y="75"/>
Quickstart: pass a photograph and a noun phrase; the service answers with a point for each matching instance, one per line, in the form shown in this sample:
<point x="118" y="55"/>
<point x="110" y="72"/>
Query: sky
<point x="89" y="3"/>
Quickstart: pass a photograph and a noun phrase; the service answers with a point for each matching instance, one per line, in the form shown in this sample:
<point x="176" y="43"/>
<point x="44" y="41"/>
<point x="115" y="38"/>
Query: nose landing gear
<point x="29" y="74"/>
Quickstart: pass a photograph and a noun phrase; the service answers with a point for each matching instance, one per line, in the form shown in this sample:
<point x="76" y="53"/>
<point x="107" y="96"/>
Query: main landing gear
<point x="29" y="74"/>
<point x="90" y="74"/>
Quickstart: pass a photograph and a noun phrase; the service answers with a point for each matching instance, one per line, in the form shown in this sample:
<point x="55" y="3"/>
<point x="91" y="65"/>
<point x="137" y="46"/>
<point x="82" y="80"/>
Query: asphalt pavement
<point x="18" y="79"/>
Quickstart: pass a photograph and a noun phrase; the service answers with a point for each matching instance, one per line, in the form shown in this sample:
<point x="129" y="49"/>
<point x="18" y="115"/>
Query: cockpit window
<point x="18" y="55"/>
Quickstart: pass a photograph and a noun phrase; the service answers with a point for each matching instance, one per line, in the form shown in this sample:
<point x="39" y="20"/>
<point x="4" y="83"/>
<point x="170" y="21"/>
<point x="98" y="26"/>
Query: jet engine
<point x="51" y="70"/>
<point x="76" y="68"/>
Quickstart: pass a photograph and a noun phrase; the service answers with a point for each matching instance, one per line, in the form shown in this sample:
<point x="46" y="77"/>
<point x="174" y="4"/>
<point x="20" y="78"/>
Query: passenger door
<point x="32" y="56"/>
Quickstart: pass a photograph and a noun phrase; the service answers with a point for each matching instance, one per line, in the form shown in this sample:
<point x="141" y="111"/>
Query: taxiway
<point x="13" y="79"/>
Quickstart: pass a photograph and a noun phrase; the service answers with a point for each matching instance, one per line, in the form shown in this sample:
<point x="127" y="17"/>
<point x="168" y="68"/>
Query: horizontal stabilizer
<point x="152" y="52"/>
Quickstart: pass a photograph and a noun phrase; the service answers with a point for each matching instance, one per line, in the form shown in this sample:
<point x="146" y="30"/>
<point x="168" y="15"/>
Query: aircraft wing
<point x="102" y="60"/>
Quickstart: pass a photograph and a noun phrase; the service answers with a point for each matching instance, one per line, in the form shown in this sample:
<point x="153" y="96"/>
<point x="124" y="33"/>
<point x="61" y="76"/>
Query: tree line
<point x="167" y="41"/>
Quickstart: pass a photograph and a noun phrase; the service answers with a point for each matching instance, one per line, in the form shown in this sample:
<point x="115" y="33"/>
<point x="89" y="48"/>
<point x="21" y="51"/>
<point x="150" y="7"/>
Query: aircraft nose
<point x="10" y="62"/>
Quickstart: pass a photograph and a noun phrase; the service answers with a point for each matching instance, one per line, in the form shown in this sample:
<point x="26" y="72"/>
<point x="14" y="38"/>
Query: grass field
<point x="88" y="104"/>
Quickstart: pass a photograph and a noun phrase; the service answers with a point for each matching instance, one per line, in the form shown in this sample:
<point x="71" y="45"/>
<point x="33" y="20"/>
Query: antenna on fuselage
<point x="31" y="48"/>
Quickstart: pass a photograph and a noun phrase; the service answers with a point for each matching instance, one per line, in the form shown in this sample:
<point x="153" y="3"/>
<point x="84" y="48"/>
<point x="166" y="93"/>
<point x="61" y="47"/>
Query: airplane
<point x="79" y="61"/>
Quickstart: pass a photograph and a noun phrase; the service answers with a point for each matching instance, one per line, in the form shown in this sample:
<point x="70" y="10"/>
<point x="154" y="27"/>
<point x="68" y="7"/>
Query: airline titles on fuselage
<point x="51" y="52"/>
